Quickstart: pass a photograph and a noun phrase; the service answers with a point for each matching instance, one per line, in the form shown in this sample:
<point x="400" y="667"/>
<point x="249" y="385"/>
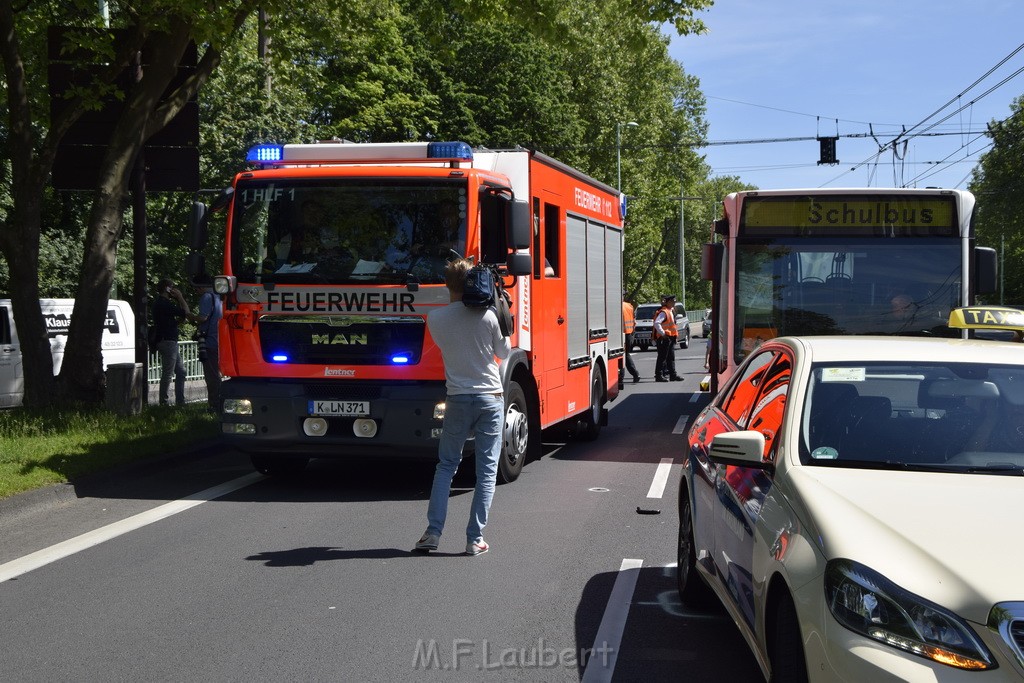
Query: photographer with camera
<point x="210" y="312"/>
<point x="169" y="309"/>
<point x="472" y="345"/>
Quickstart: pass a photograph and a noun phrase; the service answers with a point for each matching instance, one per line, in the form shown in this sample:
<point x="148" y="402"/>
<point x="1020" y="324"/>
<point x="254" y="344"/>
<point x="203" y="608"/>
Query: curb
<point x="59" y="494"/>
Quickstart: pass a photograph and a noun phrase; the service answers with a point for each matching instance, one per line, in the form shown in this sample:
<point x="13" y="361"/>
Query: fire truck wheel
<point x="516" y="436"/>
<point x="590" y="422"/>
<point x="277" y="465"/>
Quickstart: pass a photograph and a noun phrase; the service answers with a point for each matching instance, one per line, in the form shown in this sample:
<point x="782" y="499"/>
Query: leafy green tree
<point x="554" y="75"/>
<point x="162" y="29"/>
<point x="998" y="184"/>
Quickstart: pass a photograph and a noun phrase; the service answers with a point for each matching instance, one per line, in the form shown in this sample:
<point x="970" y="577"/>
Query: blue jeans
<point x="484" y="414"/>
<point x="170" y="362"/>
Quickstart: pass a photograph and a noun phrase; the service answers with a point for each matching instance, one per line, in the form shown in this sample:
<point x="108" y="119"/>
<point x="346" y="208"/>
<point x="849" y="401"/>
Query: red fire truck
<point x="334" y="255"/>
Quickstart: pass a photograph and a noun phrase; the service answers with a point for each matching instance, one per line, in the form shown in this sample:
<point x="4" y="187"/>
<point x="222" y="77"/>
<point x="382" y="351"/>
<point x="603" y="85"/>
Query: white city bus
<point x="840" y="261"/>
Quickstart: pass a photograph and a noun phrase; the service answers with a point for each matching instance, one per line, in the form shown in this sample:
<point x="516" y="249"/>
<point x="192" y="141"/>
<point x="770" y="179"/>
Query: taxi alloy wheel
<point x="692" y="589"/>
<point x="786" y="650"/>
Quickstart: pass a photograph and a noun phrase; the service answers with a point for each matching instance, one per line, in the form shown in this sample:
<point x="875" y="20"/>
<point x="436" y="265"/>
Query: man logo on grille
<point x="340" y="338"/>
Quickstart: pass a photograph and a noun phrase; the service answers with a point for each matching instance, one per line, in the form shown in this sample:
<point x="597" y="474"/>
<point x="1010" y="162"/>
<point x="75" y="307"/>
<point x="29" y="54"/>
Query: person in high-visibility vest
<point x="665" y="335"/>
<point x="628" y="325"/>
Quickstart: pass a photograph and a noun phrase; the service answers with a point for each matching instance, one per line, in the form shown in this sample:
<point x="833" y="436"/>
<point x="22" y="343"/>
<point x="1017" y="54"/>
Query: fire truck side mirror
<point x="520" y="225"/>
<point x="519" y="264"/>
<point x="195" y="267"/>
<point x="197" y="227"/>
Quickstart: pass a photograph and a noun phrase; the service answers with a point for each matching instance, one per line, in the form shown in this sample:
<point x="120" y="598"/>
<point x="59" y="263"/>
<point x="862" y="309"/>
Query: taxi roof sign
<point x="987" y="318"/>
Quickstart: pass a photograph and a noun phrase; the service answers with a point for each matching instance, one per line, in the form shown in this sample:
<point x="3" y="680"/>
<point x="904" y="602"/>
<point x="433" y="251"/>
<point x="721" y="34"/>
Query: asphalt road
<point x="314" y="580"/>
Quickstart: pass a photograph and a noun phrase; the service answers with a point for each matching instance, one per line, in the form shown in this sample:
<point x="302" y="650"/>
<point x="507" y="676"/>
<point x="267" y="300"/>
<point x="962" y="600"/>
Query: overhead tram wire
<point x="938" y="164"/>
<point x="904" y="134"/>
<point x="968" y="89"/>
<point x="972" y="102"/>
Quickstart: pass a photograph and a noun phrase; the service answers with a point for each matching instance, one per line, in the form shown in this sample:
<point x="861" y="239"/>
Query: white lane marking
<point x="680" y="424"/>
<point x="601" y="663"/>
<point x="22" y="565"/>
<point x="695" y="396"/>
<point x="660" y="478"/>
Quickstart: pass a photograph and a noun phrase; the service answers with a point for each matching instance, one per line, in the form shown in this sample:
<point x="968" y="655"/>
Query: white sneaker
<point x="478" y="548"/>
<point x="427" y="542"/>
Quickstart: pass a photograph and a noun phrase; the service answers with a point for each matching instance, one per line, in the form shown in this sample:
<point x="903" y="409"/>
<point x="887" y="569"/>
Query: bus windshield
<point x="346" y="231"/>
<point x="865" y="285"/>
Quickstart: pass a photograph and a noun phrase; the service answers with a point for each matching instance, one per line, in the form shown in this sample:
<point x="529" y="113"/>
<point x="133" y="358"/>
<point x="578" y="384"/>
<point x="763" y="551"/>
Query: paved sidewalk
<point x="195" y="392"/>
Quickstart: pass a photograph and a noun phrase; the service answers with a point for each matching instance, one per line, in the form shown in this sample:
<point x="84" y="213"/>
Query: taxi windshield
<point x="924" y="416"/>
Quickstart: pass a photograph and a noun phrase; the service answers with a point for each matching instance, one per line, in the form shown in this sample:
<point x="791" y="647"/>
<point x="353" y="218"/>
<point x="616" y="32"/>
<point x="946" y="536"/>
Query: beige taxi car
<point x="856" y="504"/>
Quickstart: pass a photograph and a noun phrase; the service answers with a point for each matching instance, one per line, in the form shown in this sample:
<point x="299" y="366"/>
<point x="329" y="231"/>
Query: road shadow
<point x="663" y="640"/>
<point x="640" y="429"/>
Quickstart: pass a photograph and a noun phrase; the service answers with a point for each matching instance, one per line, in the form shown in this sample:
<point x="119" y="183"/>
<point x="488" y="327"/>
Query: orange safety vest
<point x="628" y="317"/>
<point x="669" y="325"/>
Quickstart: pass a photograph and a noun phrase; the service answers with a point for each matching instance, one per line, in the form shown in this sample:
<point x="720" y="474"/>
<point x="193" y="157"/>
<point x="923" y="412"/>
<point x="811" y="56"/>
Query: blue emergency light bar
<point x="367" y="152"/>
<point x="449" y="150"/>
<point x="279" y="358"/>
<point x="265" y="153"/>
<point x="400" y="359"/>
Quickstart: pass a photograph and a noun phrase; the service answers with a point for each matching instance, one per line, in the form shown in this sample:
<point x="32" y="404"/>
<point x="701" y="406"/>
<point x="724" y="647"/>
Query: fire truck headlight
<point x="439" y="411"/>
<point x="224" y="284"/>
<point x="238" y="428"/>
<point x="237" y="406"/>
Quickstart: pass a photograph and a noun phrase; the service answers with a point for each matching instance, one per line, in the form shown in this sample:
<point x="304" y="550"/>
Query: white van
<point x="118" y="345"/>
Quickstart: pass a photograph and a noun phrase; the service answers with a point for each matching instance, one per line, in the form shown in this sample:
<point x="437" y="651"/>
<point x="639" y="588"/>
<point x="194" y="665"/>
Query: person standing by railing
<point x="169" y="309"/>
<point x="208" y="320"/>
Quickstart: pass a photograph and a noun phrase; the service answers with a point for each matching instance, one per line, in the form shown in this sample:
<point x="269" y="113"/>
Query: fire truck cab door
<point x="551" y="311"/>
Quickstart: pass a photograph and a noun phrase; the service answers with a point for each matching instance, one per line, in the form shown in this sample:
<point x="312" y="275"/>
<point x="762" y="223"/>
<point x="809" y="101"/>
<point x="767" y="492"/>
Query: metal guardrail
<point x="189" y="351"/>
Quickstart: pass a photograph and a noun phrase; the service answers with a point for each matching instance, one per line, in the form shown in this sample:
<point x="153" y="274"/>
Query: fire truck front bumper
<point x="330" y="419"/>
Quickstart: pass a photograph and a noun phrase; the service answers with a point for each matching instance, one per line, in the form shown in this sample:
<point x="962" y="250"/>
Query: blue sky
<point x="790" y="68"/>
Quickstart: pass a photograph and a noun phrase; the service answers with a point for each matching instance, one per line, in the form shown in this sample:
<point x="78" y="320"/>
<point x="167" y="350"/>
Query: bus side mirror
<point x="986" y="270"/>
<point x="710" y="255"/>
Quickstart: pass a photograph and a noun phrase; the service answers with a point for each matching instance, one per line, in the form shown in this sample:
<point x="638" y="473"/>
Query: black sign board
<point x="171" y="155"/>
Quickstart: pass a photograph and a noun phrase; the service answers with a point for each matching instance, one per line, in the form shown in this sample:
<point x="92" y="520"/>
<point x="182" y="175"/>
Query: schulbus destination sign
<point x="849" y="212"/>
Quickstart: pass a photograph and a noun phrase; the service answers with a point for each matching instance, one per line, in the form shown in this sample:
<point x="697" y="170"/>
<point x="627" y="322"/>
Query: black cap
<point x="666" y="297"/>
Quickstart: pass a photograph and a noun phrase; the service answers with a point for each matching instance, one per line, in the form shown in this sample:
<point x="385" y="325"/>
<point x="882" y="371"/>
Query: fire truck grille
<point x="336" y="340"/>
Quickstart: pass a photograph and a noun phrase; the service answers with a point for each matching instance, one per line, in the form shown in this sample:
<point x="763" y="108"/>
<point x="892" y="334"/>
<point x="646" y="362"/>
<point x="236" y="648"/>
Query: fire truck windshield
<point x="346" y="231"/>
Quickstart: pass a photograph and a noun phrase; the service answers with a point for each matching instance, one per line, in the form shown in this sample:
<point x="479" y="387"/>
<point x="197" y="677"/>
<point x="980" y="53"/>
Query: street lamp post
<point x="682" y="237"/>
<point x="618" y="151"/>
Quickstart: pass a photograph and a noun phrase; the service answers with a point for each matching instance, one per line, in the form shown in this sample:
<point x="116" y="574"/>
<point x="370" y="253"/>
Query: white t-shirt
<point x="469" y="339"/>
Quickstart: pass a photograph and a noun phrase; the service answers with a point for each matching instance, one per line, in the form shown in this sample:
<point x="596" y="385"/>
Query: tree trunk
<point x="22" y="254"/>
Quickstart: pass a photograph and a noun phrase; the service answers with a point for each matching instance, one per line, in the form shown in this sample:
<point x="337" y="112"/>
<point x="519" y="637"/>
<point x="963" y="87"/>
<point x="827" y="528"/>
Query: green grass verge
<point x="43" y="447"/>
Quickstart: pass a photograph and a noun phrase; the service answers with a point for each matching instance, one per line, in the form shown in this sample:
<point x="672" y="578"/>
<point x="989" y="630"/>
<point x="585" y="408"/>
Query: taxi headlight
<point x="237" y="406"/>
<point x="866" y="602"/>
